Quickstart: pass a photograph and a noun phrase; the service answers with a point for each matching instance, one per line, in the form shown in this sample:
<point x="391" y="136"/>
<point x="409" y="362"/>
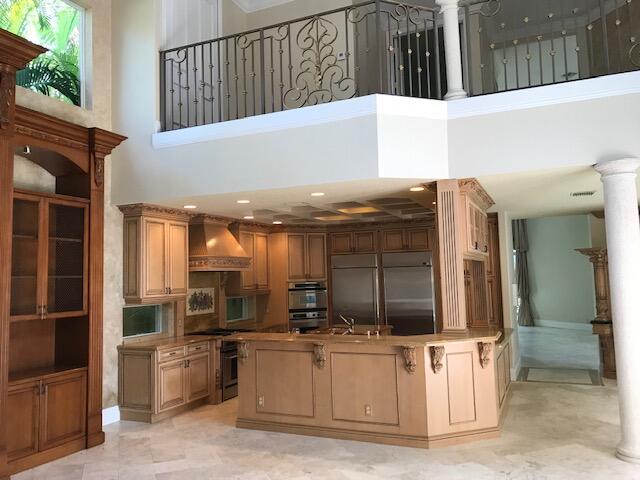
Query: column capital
<point x="448" y="4"/>
<point x="617" y="167"/>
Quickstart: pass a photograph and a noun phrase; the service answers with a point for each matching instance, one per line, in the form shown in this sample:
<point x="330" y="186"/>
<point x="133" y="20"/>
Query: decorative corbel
<point x="437" y="354"/>
<point x="485" y="350"/>
<point x="320" y="355"/>
<point x="243" y="351"/>
<point x="409" y="354"/>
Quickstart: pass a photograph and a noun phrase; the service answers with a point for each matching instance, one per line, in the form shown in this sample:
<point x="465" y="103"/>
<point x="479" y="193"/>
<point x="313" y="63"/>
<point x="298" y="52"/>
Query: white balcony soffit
<point x="388" y="106"/>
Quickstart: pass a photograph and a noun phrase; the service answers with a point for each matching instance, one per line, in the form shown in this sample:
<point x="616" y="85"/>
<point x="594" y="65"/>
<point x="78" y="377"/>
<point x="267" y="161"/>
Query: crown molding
<point x="250" y="6"/>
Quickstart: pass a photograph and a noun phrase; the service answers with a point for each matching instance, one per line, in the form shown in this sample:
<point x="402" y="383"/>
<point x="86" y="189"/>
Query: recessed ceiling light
<point x="416" y="189"/>
<point x="189" y="207"/>
<point x="248" y="217"/>
<point x="317" y="194"/>
<point x="243" y="201"/>
<point x="277" y="222"/>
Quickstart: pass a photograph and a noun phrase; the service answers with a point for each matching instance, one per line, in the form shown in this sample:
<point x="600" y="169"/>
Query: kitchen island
<point x="419" y="391"/>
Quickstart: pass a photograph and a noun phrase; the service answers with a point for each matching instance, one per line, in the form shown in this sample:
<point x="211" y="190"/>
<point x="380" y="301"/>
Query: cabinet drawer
<point x="171" y="354"/>
<point x="198" y="348"/>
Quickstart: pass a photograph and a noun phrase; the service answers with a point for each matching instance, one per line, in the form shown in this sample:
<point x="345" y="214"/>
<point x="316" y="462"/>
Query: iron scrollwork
<point x="321" y="79"/>
<point x="491" y="8"/>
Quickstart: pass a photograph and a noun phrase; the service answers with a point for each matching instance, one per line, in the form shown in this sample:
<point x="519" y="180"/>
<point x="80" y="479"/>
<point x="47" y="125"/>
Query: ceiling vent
<point x="586" y="193"/>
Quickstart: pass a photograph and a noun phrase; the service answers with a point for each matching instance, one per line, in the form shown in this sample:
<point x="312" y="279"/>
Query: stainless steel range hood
<point x="213" y="248"/>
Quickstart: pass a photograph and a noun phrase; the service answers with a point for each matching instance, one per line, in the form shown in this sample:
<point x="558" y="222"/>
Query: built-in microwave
<point x="306" y="296"/>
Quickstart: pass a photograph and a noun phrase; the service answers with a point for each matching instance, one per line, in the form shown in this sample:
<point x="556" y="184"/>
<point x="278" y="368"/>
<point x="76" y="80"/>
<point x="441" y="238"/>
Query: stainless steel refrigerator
<point x="354" y="287"/>
<point x="408" y="292"/>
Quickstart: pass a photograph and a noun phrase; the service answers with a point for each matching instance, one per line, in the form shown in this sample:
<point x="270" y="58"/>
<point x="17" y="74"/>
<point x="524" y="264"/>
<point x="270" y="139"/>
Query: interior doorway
<point x="555" y="335"/>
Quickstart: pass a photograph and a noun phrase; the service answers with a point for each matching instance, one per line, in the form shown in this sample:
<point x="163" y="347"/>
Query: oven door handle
<point x="232" y="357"/>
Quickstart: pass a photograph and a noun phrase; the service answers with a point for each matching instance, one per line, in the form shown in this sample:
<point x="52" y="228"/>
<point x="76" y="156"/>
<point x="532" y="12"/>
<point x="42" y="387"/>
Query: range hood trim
<point x="213" y="248"/>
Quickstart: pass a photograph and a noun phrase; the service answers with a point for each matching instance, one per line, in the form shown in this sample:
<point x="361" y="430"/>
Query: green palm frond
<point x="44" y="75"/>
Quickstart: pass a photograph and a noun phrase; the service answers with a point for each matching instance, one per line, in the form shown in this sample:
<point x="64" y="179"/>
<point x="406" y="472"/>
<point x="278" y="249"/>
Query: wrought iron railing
<point x="513" y="44"/>
<point x="373" y="47"/>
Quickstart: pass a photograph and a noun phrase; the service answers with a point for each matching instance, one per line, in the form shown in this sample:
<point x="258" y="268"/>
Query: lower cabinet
<point x="46" y="412"/>
<point x="503" y="370"/>
<point x="157" y="383"/>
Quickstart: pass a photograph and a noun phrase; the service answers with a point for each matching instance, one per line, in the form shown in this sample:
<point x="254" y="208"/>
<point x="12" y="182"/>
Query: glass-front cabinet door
<point x="49" y="258"/>
<point x="66" y="260"/>
<point x="26" y="256"/>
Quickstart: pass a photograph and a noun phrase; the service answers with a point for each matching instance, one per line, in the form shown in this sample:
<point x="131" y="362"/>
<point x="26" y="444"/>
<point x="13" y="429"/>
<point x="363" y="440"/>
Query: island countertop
<point x="479" y="334"/>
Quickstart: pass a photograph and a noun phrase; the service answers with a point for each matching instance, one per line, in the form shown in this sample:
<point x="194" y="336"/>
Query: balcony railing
<point x="513" y="44"/>
<point x="383" y="46"/>
<point x="372" y="47"/>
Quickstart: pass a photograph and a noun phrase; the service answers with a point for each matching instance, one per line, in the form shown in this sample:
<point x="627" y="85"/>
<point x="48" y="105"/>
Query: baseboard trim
<point x="581" y="327"/>
<point x="110" y="415"/>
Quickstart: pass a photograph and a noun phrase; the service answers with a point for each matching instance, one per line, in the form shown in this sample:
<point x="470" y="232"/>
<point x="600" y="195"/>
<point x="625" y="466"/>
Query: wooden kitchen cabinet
<point x="353" y="242"/>
<point x="156" y="254"/>
<point x="256" y="278"/>
<point x="306" y="255"/>
<point x="406" y="239"/>
<point x="160" y="379"/>
<point x="46" y="412"/>
<point x="476" y="229"/>
<point x="493" y="273"/>
<point x="49" y="257"/>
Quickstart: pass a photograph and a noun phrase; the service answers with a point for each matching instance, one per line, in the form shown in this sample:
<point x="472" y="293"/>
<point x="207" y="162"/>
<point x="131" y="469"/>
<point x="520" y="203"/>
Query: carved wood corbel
<point x="320" y="355"/>
<point x="410" y="363"/>
<point x="437" y="354"/>
<point x="243" y="351"/>
<point x="485" y="350"/>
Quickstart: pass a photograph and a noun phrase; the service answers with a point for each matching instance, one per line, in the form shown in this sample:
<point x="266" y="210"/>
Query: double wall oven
<point x="307" y="305"/>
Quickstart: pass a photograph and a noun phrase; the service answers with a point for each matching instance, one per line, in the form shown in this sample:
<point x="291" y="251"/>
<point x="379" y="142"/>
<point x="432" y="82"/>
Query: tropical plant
<point x="55" y="25"/>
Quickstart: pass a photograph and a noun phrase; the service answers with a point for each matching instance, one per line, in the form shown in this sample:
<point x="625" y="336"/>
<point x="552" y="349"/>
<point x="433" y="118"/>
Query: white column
<point x="623" y="245"/>
<point x="452" y="49"/>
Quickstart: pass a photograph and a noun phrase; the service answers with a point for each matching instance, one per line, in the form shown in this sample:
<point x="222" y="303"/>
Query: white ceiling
<point x="545" y="192"/>
<point x="297" y="200"/>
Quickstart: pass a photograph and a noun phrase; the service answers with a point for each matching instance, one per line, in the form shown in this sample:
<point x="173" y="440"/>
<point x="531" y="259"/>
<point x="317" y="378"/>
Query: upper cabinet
<point x="307" y="256"/>
<point x="407" y="239"/>
<point x="364" y="241"/>
<point x="255" y="243"/>
<point x="155" y="254"/>
<point x="474" y="203"/>
<point x="49" y="257"/>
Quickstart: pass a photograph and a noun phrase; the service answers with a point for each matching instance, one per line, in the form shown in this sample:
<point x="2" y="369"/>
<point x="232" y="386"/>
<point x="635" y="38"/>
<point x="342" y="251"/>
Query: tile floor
<point x="552" y="431"/>
<point x="545" y="347"/>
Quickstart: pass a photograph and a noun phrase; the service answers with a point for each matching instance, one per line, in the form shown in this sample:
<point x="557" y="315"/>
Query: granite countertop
<point x="172" y="342"/>
<point x="477" y="334"/>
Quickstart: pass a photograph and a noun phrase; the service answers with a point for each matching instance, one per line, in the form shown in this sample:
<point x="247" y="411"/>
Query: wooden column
<point x="602" y="325"/>
<point x="450" y="257"/>
<point x="15" y="53"/>
<point x="101" y="142"/>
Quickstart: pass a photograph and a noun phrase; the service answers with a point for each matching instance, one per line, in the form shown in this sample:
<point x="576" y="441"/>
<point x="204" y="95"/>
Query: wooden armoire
<point x="51" y="279"/>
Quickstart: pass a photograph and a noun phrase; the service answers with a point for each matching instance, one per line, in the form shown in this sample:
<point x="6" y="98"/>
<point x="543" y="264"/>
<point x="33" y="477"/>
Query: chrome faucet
<point x="350" y="322"/>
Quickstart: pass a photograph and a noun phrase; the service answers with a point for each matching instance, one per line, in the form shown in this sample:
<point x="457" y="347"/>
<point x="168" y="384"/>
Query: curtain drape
<point x="520" y="246"/>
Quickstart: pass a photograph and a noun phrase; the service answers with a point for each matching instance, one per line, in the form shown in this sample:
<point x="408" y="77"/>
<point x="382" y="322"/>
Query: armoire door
<point x="63" y="408"/>
<point x="22" y="422"/>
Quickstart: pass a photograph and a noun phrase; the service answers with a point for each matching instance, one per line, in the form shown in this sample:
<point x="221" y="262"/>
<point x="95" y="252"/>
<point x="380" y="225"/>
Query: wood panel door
<point x="63" y="409"/>
<point x="23" y="403"/>
<point x="316" y="256"/>
<point x="171" y="384"/>
<point x="417" y="239"/>
<point x="198" y="376"/>
<point x="155" y="258"/>
<point x="178" y="253"/>
<point x="393" y="240"/>
<point x="341" y="243"/>
<point x="365" y="242"/>
<point x="261" y="261"/>
<point x="248" y="277"/>
<point x="297" y="256"/>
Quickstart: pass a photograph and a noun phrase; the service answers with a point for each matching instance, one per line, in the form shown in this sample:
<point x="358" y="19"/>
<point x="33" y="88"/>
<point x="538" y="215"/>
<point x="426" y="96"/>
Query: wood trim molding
<point x="219" y="264"/>
<point x="472" y="188"/>
<point x="437" y="354"/>
<point x="410" y="363"/>
<point x="143" y="209"/>
<point x="243" y="351"/>
<point x="484" y="350"/>
<point x="15" y="53"/>
<point x="450" y="257"/>
<point x="320" y="355"/>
